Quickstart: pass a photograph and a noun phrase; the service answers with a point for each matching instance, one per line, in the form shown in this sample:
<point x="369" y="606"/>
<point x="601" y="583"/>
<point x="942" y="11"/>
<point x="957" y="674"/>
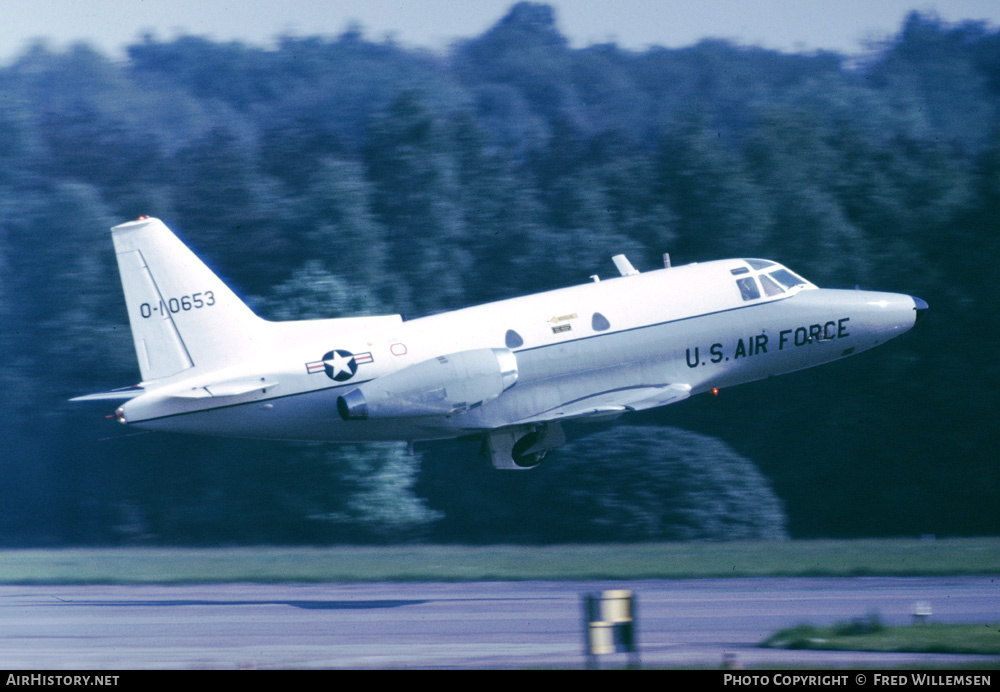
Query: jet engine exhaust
<point x="352" y="406"/>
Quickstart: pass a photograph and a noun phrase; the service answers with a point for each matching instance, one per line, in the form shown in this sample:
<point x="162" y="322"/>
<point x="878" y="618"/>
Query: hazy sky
<point x="842" y="25"/>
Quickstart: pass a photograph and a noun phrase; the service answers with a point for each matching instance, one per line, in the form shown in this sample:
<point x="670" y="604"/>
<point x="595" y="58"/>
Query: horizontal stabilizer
<point x="121" y="394"/>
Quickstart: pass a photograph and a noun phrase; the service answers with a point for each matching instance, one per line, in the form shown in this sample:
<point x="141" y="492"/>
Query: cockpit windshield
<point x="774" y="279"/>
<point x="787" y="278"/>
<point x="770" y="288"/>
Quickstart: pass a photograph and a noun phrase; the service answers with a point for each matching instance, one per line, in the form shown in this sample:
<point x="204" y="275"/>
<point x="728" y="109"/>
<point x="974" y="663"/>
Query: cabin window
<point x="786" y="278"/>
<point x="748" y="288"/>
<point x="739" y="270"/>
<point x="770" y="288"/>
<point x="599" y="322"/>
<point x="759" y="263"/>
<point x="513" y="339"/>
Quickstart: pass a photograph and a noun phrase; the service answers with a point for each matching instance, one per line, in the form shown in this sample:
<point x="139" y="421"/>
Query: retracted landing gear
<point x="522" y="447"/>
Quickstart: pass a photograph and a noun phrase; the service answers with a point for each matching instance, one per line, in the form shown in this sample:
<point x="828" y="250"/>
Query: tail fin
<point x="181" y="313"/>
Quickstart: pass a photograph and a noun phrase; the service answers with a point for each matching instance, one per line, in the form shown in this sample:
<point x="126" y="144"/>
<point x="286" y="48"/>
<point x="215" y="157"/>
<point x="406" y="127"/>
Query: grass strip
<point x="895" y="557"/>
<point x="862" y="635"/>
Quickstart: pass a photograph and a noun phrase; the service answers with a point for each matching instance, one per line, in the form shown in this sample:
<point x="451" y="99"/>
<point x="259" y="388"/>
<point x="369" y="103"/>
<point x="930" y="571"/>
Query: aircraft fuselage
<point x="508" y="372"/>
<point x="596" y="349"/>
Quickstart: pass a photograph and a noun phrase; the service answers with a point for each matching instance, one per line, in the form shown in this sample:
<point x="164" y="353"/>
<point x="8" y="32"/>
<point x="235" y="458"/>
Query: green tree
<point x="720" y="210"/>
<point x="414" y="180"/>
<point x="341" y="232"/>
<point x="313" y="293"/>
<point x="628" y="483"/>
<point x="372" y="492"/>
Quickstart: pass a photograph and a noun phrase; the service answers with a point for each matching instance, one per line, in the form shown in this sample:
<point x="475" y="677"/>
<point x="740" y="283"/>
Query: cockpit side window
<point x="748" y="288"/>
<point x="759" y="263"/>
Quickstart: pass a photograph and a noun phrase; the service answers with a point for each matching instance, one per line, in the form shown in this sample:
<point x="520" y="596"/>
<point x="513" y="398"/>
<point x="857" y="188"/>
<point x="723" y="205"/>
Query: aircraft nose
<point x="920" y="306"/>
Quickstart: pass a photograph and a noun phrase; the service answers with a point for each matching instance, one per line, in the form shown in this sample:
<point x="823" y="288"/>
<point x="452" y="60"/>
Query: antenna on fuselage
<point x="666" y="260"/>
<point x="625" y="267"/>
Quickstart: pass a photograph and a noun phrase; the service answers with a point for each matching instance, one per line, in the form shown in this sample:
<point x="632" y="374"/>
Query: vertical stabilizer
<point x="181" y="313"/>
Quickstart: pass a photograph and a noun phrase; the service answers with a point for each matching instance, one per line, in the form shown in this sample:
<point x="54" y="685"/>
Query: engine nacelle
<point x="437" y="387"/>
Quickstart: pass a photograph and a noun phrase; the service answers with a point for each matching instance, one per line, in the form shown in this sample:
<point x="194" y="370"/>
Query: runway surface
<point x="455" y="625"/>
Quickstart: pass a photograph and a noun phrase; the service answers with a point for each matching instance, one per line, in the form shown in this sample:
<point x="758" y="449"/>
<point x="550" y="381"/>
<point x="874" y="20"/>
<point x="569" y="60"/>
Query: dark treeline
<point x="334" y="177"/>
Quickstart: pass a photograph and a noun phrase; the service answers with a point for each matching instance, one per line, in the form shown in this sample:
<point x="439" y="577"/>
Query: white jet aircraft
<point x="508" y="372"/>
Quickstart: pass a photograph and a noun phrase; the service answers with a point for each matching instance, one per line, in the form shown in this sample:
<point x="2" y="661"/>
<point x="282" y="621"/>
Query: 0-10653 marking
<point x="180" y="304"/>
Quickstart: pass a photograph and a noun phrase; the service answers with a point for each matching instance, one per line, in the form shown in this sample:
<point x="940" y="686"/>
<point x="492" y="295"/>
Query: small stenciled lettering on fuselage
<point x="762" y="343"/>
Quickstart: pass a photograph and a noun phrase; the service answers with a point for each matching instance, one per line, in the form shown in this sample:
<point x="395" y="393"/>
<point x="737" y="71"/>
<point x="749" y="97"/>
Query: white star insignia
<point x="339" y="363"/>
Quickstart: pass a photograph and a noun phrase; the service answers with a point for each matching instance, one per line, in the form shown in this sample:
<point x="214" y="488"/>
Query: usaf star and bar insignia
<point x="339" y="365"/>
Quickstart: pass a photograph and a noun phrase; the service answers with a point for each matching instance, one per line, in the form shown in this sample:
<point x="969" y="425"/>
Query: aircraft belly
<point x="305" y="416"/>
